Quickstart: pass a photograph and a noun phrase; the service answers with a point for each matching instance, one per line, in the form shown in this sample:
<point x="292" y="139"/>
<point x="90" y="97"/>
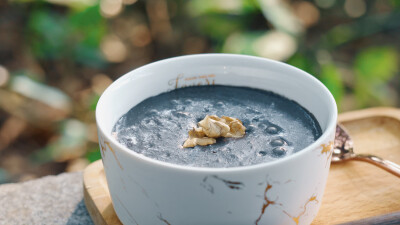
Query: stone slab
<point x="48" y="200"/>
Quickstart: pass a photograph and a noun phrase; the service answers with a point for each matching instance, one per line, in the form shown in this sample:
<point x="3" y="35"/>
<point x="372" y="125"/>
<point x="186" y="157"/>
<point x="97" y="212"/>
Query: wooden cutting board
<point x="355" y="190"/>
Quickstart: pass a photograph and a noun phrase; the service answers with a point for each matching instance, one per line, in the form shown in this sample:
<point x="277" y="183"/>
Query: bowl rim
<point x="332" y="118"/>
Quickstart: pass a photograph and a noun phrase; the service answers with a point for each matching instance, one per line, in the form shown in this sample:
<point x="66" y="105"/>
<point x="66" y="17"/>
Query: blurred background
<point x="58" y="56"/>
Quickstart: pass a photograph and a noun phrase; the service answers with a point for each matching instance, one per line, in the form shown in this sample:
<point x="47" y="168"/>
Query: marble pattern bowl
<point x="147" y="191"/>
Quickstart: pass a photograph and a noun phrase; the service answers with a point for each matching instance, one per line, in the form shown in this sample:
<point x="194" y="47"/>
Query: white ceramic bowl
<point x="147" y="191"/>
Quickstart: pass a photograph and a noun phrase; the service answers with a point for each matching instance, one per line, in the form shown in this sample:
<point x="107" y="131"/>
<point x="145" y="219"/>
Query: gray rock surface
<point x="48" y="200"/>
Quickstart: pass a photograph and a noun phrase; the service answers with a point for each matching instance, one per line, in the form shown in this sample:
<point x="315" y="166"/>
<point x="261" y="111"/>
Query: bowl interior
<point x="209" y="69"/>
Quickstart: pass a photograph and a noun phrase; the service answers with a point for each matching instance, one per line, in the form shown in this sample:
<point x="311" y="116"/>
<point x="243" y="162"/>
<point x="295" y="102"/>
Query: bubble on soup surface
<point x="272" y="130"/>
<point x="220" y="104"/>
<point x="279" y="151"/>
<point x="262" y="153"/>
<point x="278" y="142"/>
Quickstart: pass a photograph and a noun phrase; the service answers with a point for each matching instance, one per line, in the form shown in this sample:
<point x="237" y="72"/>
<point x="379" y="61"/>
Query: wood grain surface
<point x="97" y="196"/>
<point x="355" y="190"/>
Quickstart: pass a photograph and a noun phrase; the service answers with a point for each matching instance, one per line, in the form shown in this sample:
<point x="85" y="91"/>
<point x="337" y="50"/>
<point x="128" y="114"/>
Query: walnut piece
<point x="197" y="137"/>
<point x="212" y="127"/>
<point x="236" y="128"/>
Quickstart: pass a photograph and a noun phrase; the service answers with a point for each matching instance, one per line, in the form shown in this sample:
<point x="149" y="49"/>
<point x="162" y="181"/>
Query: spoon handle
<point x="387" y="165"/>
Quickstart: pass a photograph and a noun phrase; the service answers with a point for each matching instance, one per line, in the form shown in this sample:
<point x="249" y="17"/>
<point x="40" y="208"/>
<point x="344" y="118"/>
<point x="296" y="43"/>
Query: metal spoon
<point x="343" y="151"/>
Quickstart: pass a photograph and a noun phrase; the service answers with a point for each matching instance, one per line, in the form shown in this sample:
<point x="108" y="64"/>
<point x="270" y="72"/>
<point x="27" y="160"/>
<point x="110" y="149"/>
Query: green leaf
<point x="86" y="18"/>
<point x="331" y="78"/>
<point x="90" y="56"/>
<point x="340" y="35"/>
<point x="302" y="62"/>
<point x="48" y="33"/>
<point x="376" y="64"/>
<point x="395" y="3"/>
<point x="372" y="94"/>
<point x="219" y="26"/>
<point x="93" y="155"/>
<point x="93" y="102"/>
<point x="88" y="25"/>
<point x="250" y="6"/>
<point x="76" y="36"/>
<point x="88" y="28"/>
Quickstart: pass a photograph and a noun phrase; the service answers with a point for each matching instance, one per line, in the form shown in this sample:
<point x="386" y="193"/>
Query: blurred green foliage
<point x="75" y="36"/>
<point x="374" y="68"/>
<point x="79" y="47"/>
<point x="330" y="76"/>
<point x="93" y="154"/>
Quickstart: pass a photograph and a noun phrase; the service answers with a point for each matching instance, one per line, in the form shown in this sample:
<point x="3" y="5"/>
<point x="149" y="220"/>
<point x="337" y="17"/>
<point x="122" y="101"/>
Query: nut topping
<point x="197" y="137"/>
<point x="212" y="127"/>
